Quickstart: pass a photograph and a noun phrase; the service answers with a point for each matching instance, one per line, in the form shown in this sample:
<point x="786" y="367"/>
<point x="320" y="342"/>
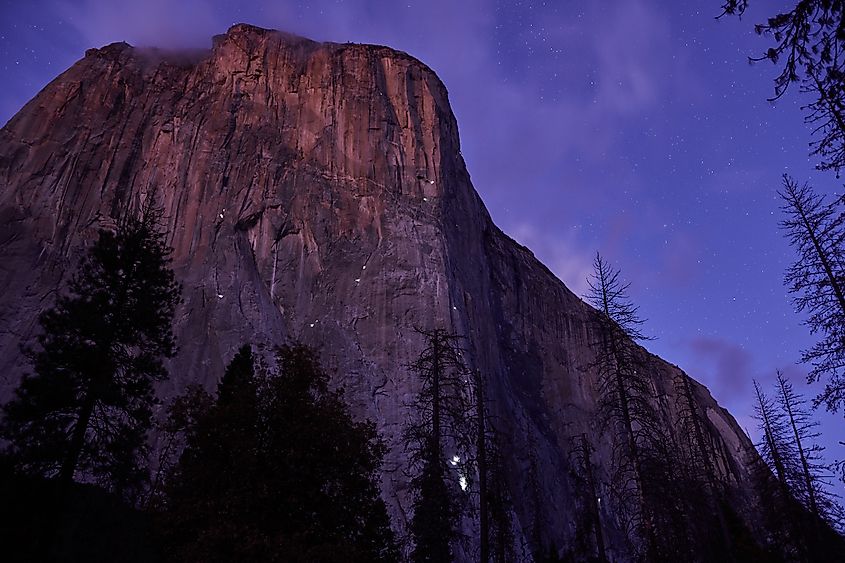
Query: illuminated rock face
<point x="312" y="192"/>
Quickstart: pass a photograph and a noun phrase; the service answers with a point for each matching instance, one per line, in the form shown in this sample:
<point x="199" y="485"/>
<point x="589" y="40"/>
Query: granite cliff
<point x="314" y="191"/>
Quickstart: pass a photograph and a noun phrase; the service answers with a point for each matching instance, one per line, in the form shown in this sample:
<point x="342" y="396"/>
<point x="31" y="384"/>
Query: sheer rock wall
<point x="314" y="192"/>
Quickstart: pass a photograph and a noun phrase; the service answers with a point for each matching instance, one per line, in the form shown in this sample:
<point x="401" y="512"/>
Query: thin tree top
<point x="805" y="211"/>
<point x="609" y="295"/>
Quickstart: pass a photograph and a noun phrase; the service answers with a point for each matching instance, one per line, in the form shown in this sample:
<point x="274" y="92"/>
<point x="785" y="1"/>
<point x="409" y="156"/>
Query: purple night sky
<point x="633" y="127"/>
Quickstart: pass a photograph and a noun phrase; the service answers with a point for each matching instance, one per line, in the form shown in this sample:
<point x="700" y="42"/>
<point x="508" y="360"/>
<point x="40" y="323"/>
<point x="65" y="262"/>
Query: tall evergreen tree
<point x="625" y="401"/>
<point x="800" y="430"/>
<point x="85" y="410"/>
<point x="481" y="460"/>
<point x="442" y="421"/>
<point x="276" y="469"/>
<point x="590" y="544"/>
<point x="816" y="230"/>
<point x="494" y="522"/>
<point x="692" y="424"/>
<point x="810" y="475"/>
<point x="435" y="513"/>
<point x="798" y="532"/>
<point x="775" y="477"/>
<point x="775" y="446"/>
<point x="672" y="497"/>
<point x="697" y="459"/>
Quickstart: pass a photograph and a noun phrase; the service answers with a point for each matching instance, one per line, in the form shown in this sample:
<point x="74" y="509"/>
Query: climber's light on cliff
<point x="455" y="460"/>
<point x="599" y="500"/>
<point x="364" y="268"/>
<point x="431" y="181"/>
<point x="455" y="308"/>
<point x="312" y="325"/>
<point x="221" y="215"/>
<point x="357" y="280"/>
<point x="463" y="482"/>
<point x="425" y="199"/>
<point x="219" y="296"/>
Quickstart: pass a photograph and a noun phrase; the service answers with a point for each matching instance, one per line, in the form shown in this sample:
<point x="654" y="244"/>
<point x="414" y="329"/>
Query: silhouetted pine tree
<point x="494" y="504"/>
<point x="625" y="403"/>
<point x="816" y="230"/>
<point x="86" y="408"/>
<point x="775" y="476"/>
<point x="672" y="496"/>
<point x="810" y="475"/>
<point x="275" y="468"/>
<point x="798" y="532"/>
<point x="589" y="533"/>
<point x="435" y="513"/>
<point x="482" y="466"/>
<point x="775" y="447"/>
<point x="442" y="421"/>
<point x="692" y="426"/>
<point x="703" y="490"/>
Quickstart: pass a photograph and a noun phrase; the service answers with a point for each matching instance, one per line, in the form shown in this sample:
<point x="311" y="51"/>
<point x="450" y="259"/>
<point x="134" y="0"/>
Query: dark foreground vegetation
<point x="271" y="466"/>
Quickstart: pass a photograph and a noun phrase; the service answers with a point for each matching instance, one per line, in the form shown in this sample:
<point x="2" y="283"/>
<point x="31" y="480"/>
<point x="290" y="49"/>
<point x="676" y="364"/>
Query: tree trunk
<point x="633" y="450"/>
<point x="828" y="269"/>
<point x="710" y="473"/>
<point x="77" y="440"/>
<point x="481" y="447"/>
<point x="594" y="503"/>
<point x="805" y="467"/>
<point x="436" y="445"/>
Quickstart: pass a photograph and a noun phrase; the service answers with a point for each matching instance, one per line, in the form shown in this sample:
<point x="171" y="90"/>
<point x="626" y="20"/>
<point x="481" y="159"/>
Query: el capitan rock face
<point x="313" y="191"/>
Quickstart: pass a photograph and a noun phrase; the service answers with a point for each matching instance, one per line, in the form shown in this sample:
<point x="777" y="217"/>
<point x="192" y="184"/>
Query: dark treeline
<point x="792" y="478"/>
<point x="671" y="487"/>
<point x="274" y="468"/>
<point x="271" y="467"/>
<point x="666" y="498"/>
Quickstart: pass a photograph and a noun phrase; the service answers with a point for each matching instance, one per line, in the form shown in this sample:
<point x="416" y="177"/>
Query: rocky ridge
<point x="313" y="191"/>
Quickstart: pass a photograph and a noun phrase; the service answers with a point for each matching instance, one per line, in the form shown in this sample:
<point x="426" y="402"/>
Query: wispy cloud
<point x="159" y="23"/>
<point x="561" y="254"/>
<point x="728" y="367"/>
